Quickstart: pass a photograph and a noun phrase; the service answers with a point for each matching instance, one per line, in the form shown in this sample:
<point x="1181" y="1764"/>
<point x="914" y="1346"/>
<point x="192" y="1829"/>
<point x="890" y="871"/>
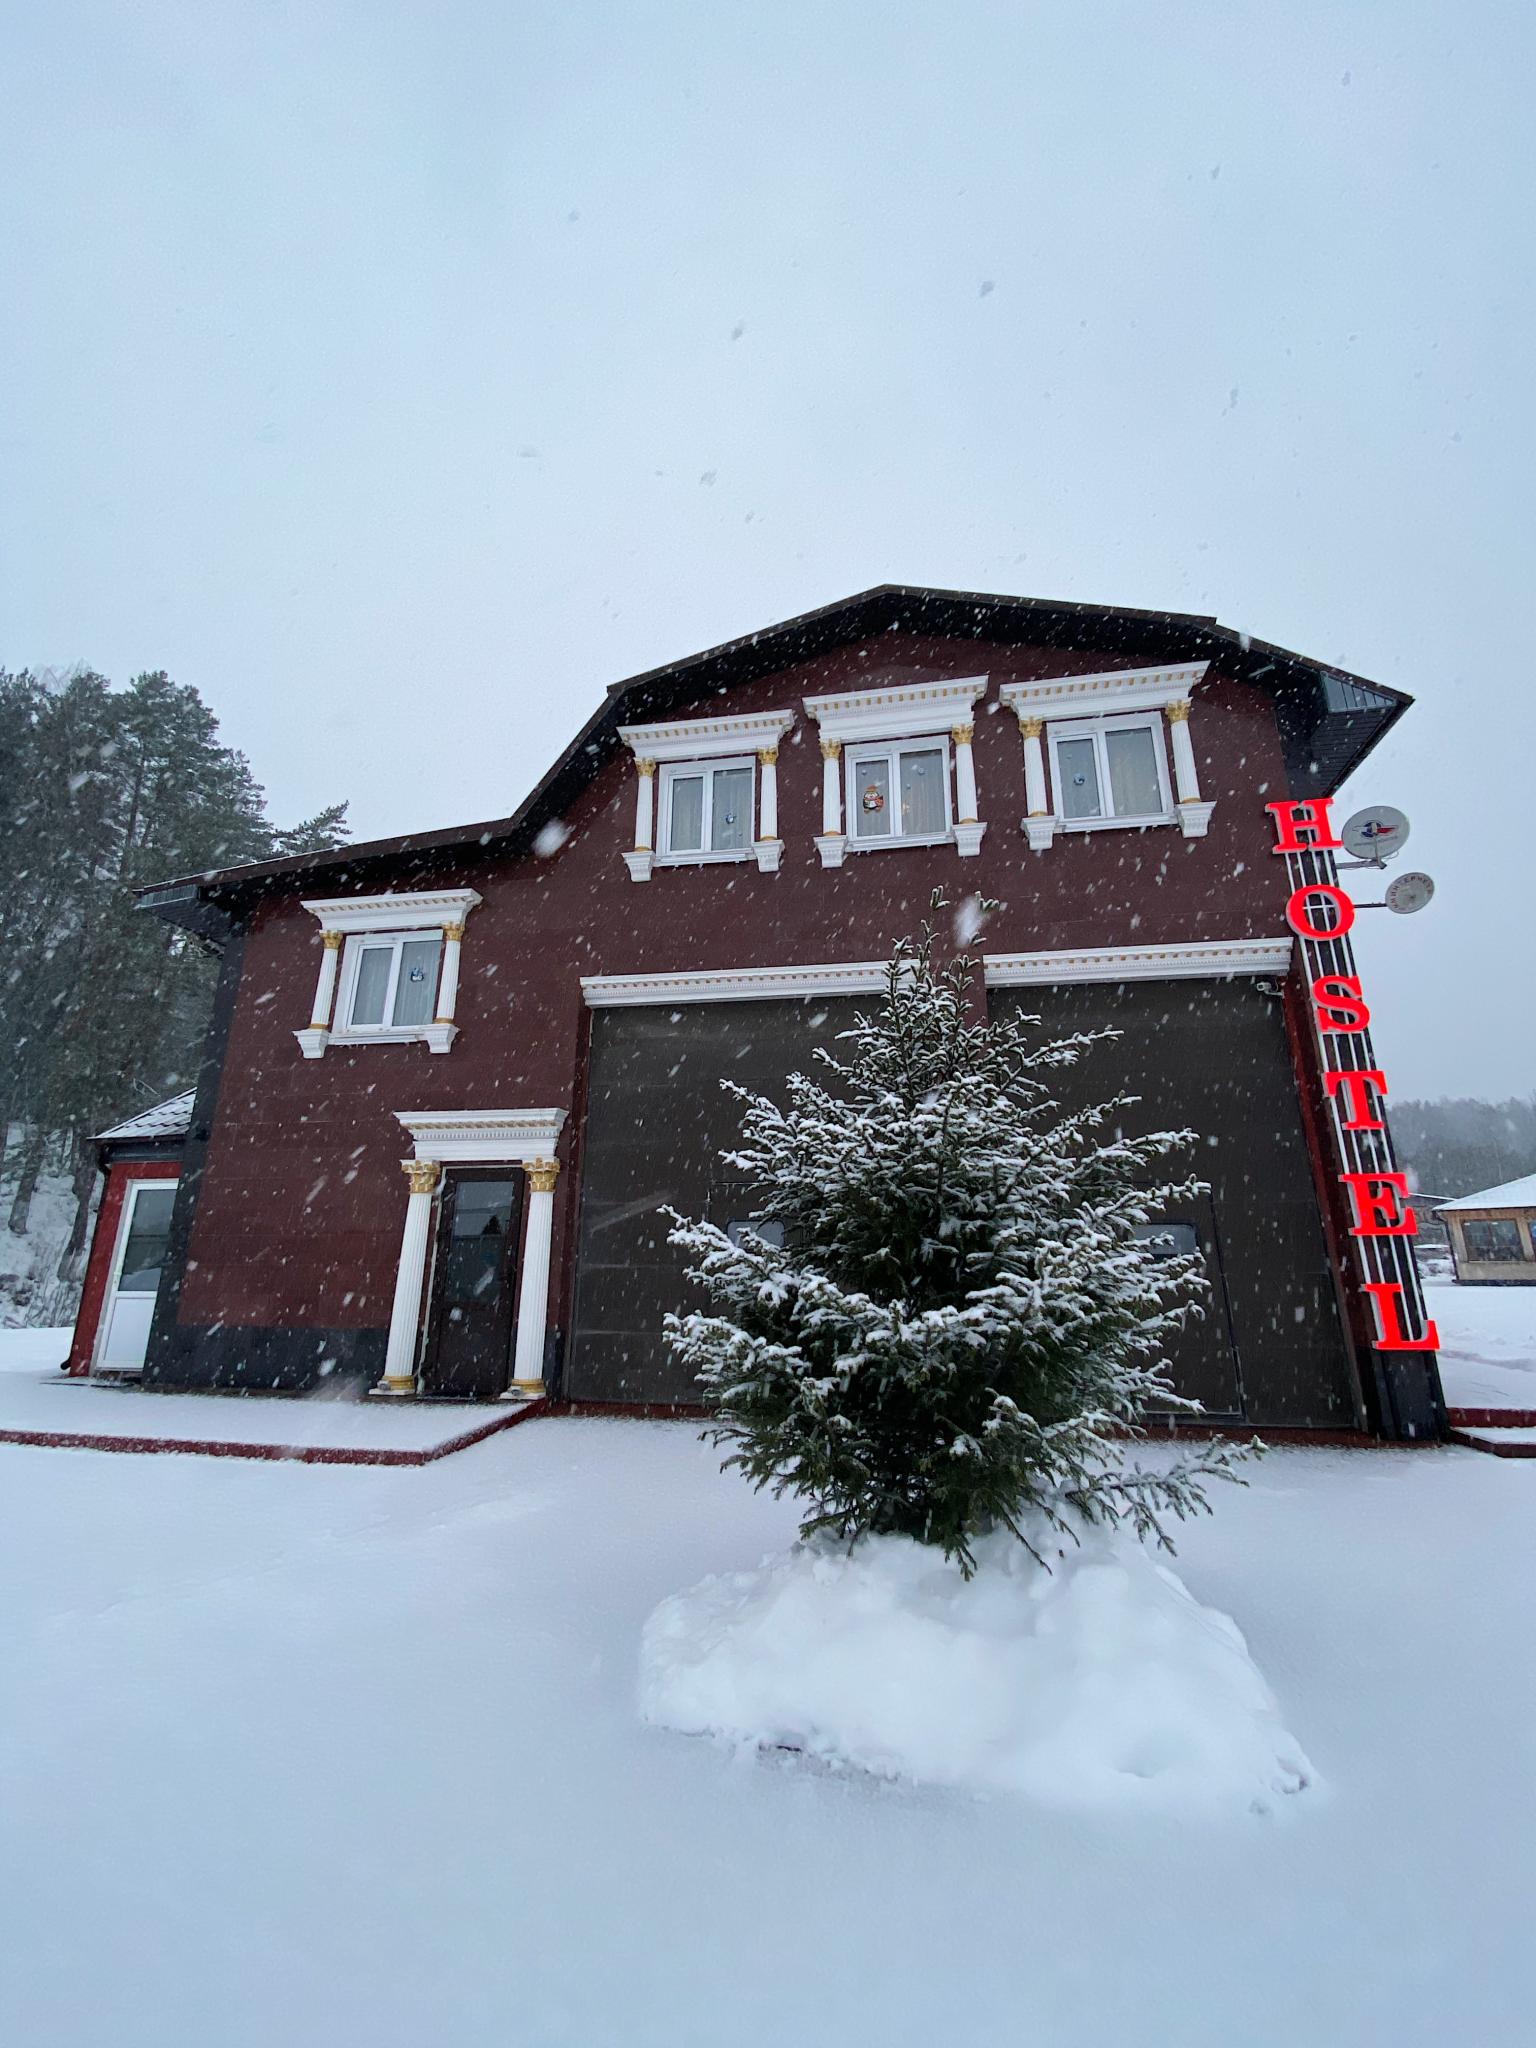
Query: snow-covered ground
<point x="1488" y="1344"/>
<point x="34" y="1394"/>
<point x="334" y="1755"/>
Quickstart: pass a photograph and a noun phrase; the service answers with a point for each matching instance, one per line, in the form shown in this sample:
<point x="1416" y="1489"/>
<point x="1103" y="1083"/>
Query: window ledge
<point x="1118" y="824"/>
<point x="732" y="857"/>
<point x="892" y="842"/>
<point x="436" y="1037"/>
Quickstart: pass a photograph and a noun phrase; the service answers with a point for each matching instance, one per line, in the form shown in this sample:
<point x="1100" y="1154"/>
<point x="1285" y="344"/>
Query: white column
<point x="1038" y="803"/>
<point x="1039" y="826"/>
<point x="1185" y="773"/>
<point x="312" y="1042"/>
<point x="448" y="986"/>
<point x="533" y="1287"/>
<point x="639" y="861"/>
<point x="768" y="793"/>
<point x="965" y="772"/>
<point x="768" y="846"/>
<point x="831" y="842"/>
<point x="1194" y="812"/>
<point x="422" y="1176"/>
<point x="831" y="787"/>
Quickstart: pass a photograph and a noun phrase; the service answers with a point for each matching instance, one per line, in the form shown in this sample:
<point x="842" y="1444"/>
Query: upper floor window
<point x="706" y="809"/>
<point x="389" y="983"/>
<point x="900" y="791"/>
<point x="886" y="759"/>
<point x="1111" y="771"/>
<point x="706" y="789"/>
<point x="389" y="968"/>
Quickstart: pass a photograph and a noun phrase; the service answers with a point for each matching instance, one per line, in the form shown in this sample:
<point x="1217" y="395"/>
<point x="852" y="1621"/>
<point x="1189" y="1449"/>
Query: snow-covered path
<point x="321" y="1755"/>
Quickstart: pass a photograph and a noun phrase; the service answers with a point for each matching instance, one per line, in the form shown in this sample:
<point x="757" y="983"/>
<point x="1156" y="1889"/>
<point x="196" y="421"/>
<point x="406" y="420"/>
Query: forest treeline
<point x="1459" y="1146"/>
<point x="103" y="1008"/>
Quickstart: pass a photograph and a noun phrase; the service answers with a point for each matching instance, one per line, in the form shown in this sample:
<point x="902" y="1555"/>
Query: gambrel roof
<point x="1329" y="720"/>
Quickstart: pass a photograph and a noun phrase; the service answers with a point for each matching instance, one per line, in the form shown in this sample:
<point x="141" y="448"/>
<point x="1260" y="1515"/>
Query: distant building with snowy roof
<point x="1493" y="1234"/>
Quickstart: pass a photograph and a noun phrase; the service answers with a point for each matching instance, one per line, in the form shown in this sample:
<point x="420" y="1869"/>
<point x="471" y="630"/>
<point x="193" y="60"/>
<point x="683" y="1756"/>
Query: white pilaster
<point x="768" y="845"/>
<point x="968" y="829"/>
<point x="312" y="1043"/>
<point x="422" y="1176"/>
<point x="1039" y="826"/>
<point x="1194" y="813"/>
<point x="832" y="842"/>
<point x="442" y="1031"/>
<point x="639" y="862"/>
<point x="533" y="1285"/>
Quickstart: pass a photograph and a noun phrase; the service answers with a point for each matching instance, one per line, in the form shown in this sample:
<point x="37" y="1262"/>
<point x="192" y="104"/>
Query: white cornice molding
<point x="402" y="910"/>
<point x="734" y="985"/>
<point x="703" y="739"/>
<point x="898" y="711"/>
<point x="1118" y="689"/>
<point x="488" y="1137"/>
<point x="1213" y="961"/>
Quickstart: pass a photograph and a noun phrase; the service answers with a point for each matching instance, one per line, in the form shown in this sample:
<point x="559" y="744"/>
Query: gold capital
<point x="646" y="768"/>
<point x="768" y="755"/>
<point x="830" y="749"/>
<point x="421" y="1175"/>
<point x="1178" y="712"/>
<point x="542" y="1175"/>
<point x="962" y="735"/>
<point x="332" y="940"/>
<point x="1031" y="727"/>
<point x="454" y="932"/>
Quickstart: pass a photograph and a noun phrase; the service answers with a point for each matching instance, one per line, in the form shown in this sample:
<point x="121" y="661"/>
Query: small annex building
<point x="454" y="1080"/>
<point x="140" y="1163"/>
<point x="1493" y="1234"/>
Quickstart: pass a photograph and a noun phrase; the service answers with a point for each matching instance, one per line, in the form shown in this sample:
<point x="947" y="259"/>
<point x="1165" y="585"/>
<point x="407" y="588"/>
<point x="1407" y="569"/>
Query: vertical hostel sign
<point x="1321" y="914"/>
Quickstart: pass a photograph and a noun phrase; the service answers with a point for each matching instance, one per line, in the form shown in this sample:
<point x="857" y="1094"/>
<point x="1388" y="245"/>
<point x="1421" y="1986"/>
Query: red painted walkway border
<point x="296" y="1454"/>
<point x="1491" y="1418"/>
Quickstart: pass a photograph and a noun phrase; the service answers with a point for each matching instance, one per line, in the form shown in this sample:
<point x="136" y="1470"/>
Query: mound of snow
<point x="1100" y="1682"/>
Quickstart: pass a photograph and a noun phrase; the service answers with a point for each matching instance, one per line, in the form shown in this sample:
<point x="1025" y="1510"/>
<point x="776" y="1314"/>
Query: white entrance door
<point x="130" y="1304"/>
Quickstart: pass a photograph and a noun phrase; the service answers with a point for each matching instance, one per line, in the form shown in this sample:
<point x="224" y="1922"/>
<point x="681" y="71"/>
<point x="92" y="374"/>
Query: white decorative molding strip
<point x="734" y="985"/>
<point x="1117" y="689"/>
<point x="701" y="739"/>
<point x="402" y="910"/>
<point x="484" y="1136"/>
<point x="899" y="711"/>
<point x="1203" y="962"/>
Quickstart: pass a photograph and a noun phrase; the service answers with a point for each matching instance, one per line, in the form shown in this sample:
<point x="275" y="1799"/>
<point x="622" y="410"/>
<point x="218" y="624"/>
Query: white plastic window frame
<point x="344" y="1031"/>
<point x="1096" y="729"/>
<point x="890" y="752"/>
<point x="708" y="766"/>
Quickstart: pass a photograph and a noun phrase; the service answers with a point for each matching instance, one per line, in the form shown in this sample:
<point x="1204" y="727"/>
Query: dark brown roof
<point x="1329" y="720"/>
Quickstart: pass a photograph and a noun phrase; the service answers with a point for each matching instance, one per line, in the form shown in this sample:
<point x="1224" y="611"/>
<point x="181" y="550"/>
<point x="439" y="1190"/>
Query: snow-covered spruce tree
<point x="961" y="1327"/>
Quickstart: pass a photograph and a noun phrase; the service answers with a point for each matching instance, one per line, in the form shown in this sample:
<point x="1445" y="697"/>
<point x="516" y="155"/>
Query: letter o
<point x="1299" y="920"/>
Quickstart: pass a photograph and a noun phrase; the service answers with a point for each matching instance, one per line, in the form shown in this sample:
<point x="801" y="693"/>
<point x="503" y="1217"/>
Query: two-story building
<point x="453" y="1078"/>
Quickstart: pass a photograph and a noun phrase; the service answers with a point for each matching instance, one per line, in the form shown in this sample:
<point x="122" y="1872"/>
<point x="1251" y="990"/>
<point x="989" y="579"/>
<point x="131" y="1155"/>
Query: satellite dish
<point x="1409" y="893"/>
<point x="1376" y="834"/>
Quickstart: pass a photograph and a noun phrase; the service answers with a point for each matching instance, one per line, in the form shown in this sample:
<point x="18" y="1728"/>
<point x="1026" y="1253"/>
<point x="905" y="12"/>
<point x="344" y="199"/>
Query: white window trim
<point x="903" y="711"/>
<point x="344" y="1031"/>
<point x="1125" y="689"/>
<point x="693" y="741"/>
<point x="133" y="1187"/>
<point x="1096" y="728"/>
<point x="891" y="750"/>
<point x="708" y="766"/>
<point x="406" y="913"/>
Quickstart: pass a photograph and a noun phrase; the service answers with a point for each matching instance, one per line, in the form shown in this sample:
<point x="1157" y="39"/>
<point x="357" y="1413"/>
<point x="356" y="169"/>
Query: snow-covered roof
<point x="1511" y="1194"/>
<point x="169" y="1119"/>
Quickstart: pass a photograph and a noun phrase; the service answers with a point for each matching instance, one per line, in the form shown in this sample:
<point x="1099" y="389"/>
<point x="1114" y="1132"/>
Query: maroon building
<point x="532" y="1016"/>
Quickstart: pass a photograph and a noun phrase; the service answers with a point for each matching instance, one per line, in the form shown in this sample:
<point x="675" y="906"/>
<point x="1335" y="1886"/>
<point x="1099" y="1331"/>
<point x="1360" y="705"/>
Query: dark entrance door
<point x="469" y="1329"/>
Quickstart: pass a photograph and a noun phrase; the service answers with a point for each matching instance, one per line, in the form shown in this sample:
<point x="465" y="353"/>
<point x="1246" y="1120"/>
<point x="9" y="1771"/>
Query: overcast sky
<point x="402" y="375"/>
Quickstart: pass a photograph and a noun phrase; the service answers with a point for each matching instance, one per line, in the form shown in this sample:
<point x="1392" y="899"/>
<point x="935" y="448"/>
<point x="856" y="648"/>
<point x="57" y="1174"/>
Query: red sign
<point x="1378" y="1201"/>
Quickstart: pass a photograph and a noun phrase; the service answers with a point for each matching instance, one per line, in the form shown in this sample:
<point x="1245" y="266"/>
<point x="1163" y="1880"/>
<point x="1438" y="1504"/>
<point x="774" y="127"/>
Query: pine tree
<point x="944" y="1319"/>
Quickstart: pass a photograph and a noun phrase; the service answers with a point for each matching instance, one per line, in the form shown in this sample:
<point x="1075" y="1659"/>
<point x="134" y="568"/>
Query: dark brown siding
<point x="291" y="1222"/>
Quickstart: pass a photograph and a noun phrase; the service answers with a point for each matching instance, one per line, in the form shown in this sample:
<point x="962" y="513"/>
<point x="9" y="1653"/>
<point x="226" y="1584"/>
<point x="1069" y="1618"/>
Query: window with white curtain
<point x="706" y="809"/>
<point x="1111" y="770"/>
<point x="389" y="983"/>
<point x="898" y="790"/>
